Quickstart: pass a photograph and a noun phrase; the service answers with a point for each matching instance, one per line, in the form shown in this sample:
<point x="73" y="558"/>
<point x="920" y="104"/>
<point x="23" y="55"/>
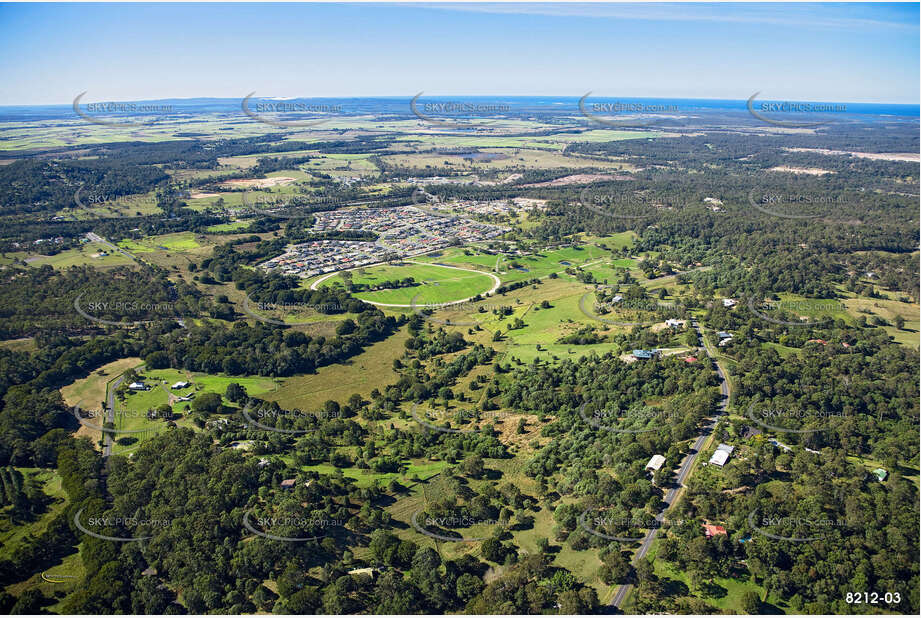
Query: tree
<point x="751" y="602"/>
<point x="235" y="393"/>
<point x="207" y="403"/>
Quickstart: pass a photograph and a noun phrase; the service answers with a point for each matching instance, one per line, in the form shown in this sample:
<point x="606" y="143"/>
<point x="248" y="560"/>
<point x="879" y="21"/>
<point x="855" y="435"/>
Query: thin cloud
<point x="803" y="15"/>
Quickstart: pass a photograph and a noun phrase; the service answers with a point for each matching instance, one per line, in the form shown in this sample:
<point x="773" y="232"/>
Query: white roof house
<point x="180" y="385"/>
<point x="728" y="302"/>
<point x="137" y="386"/>
<point x="655" y="462"/>
<point x="721" y="456"/>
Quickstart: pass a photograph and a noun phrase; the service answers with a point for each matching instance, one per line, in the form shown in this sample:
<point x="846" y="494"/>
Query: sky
<point x="844" y="52"/>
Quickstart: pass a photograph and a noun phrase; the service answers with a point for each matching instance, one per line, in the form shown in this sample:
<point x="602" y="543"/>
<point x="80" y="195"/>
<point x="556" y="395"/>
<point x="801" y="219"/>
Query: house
<point x="655" y="462"/>
<point x="137" y="386"/>
<point x="617" y="299"/>
<point x="780" y="445"/>
<point x="711" y="530"/>
<point x="672" y="323"/>
<point x="721" y="455"/>
<point x="724" y="335"/>
<point x="690" y="359"/>
<point x="263" y="462"/>
<point x="370" y="571"/>
<point x="638" y="354"/>
<point x="724" y="342"/>
<point x="880" y="474"/>
<point x="181" y="385"/>
<point x="288" y="483"/>
<point x="729" y="302"/>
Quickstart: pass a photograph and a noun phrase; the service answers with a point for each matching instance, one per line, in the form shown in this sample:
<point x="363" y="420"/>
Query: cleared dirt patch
<point x="576" y="179"/>
<point x="812" y="171"/>
<point x="909" y="157"/>
<point x="259" y="183"/>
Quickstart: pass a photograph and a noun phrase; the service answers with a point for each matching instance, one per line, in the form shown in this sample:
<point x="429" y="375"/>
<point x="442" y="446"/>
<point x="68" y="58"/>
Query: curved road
<point x="683" y="472"/>
<point x="496" y="283"/>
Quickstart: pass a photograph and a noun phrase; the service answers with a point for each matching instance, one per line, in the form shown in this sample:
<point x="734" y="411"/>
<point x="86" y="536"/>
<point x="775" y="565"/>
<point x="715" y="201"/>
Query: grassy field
<point x="26" y="344"/>
<point x="519" y="268"/>
<point x="415" y="468"/>
<point x="438" y="284"/>
<point x="180" y="241"/>
<point x="50" y="482"/>
<point x="89" y="253"/>
<point x="91" y="390"/>
<point x="228" y="227"/>
<point x="521" y="154"/>
<point x="131" y="406"/>
<point x="888" y="310"/>
<point x="371" y="369"/>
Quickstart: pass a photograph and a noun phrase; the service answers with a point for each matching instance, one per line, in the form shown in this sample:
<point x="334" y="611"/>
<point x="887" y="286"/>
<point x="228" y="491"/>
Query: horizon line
<point x="408" y="97"/>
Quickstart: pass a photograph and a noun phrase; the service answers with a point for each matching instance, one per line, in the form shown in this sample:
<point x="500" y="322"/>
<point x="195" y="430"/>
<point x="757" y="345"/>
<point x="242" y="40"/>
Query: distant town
<point x="402" y="232"/>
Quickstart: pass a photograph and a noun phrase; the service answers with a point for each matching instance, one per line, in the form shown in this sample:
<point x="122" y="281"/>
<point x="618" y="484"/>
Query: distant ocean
<point x="400" y="106"/>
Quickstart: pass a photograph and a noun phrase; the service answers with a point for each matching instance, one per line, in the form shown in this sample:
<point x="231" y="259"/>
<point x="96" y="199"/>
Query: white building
<point x="721" y="456"/>
<point x="137" y="386"/>
<point x="729" y="302"/>
<point x="655" y="462"/>
<point x="180" y="385"/>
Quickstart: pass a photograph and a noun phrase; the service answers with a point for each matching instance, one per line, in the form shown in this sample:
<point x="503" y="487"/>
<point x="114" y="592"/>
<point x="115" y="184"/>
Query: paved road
<point x="108" y="436"/>
<point x="683" y="472"/>
<point x="97" y="238"/>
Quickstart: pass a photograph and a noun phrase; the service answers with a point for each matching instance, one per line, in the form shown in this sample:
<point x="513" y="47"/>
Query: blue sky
<point x="817" y="52"/>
